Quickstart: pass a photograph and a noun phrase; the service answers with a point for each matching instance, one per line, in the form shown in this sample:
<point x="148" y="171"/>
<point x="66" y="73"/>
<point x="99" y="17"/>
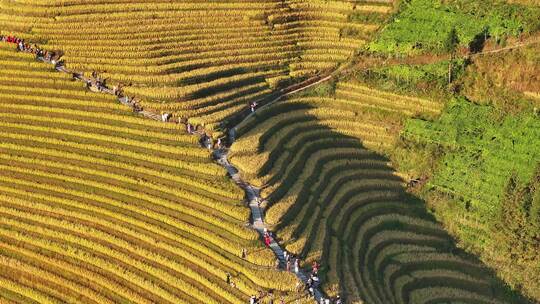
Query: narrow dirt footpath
<point x="220" y="154"/>
<point x="257" y="213"/>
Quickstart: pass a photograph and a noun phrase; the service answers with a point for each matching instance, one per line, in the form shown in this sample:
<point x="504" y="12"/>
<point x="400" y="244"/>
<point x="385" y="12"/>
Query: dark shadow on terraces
<point x="352" y="212"/>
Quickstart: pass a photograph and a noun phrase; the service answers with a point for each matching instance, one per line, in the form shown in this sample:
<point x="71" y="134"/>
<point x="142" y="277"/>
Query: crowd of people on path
<point x="207" y="141"/>
<point x="22" y="46"/>
<point x="292" y="263"/>
<point x="98" y="83"/>
<point x="313" y="282"/>
<point x="94" y="83"/>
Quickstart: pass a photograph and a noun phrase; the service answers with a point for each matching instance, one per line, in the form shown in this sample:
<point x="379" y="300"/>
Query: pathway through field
<point x="220" y="154"/>
<point x="257" y="214"/>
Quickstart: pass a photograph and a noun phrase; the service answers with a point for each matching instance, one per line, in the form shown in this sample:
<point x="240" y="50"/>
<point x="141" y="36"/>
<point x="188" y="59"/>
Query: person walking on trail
<point x="189" y="128"/>
<point x="309" y="282"/>
<point x="208" y="142"/>
<point x="165" y="117"/>
<point x="311" y="291"/>
<point x="116" y="90"/>
<point x="102" y="83"/>
<point x="288" y="267"/>
<point x="252" y="106"/>
<point x="136" y="107"/>
<point x="285" y="255"/>
<point x="315" y="267"/>
<point x="252" y="300"/>
<point x="296" y="265"/>
<point x="228" y="278"/>
<point x="119" y="91"/>
<point x="59" y="64"/>
<point x="315" y="280"/>
<point x="338" y="300"/>
<point x="20" y="46"/>
<point x="267" y="238"/>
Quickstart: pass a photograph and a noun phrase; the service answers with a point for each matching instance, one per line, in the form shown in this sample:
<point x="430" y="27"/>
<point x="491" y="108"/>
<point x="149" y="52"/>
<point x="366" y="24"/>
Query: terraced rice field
<point x="333" y="199"/>
<point x="357" y="111"/>
<point x="98" y="205"/>
<point x="203" y="60"/>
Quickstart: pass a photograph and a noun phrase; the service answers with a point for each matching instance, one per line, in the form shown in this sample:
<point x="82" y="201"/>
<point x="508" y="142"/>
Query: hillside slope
<point x="203" y="60"/>
<point x="332" y="199"/>
<point x="100" y="205"/>
<point x="104" y="206"/>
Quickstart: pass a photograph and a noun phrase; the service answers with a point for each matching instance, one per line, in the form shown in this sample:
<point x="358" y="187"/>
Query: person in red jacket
<point x="267" y="240"/>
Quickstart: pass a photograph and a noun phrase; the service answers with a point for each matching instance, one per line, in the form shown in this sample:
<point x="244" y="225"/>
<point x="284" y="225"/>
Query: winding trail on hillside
<point x="220" y="154"/>
<point x="368" y="62"/>
<point x="257" y="214"/>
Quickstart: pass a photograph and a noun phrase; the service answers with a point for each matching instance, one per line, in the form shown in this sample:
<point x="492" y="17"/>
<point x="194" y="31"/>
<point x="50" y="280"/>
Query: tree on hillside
<point x="517" y="230"/>
<point x="451" y="42"/>
<point x="450" y="45"/>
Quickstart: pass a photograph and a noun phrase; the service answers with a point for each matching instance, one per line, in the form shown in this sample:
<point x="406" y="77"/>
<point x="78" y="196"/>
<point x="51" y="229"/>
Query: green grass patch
<point x="425" y="25"/>
<point x="481" y="149"/>
<point x="434" y="75"/>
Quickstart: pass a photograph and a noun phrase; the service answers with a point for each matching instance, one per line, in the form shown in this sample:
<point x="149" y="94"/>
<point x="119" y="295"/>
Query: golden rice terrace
<point x="269" y="151"/>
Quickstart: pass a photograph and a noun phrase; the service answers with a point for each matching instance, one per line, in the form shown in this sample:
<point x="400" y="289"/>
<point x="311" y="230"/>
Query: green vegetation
<point x="503" y="79"/>
<point x="517" y="233"/>
<point x="420" y="76"/>
<point x="332" y="200"/>
<point x="481" y="150"/>
<point x="426" y="25"/>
